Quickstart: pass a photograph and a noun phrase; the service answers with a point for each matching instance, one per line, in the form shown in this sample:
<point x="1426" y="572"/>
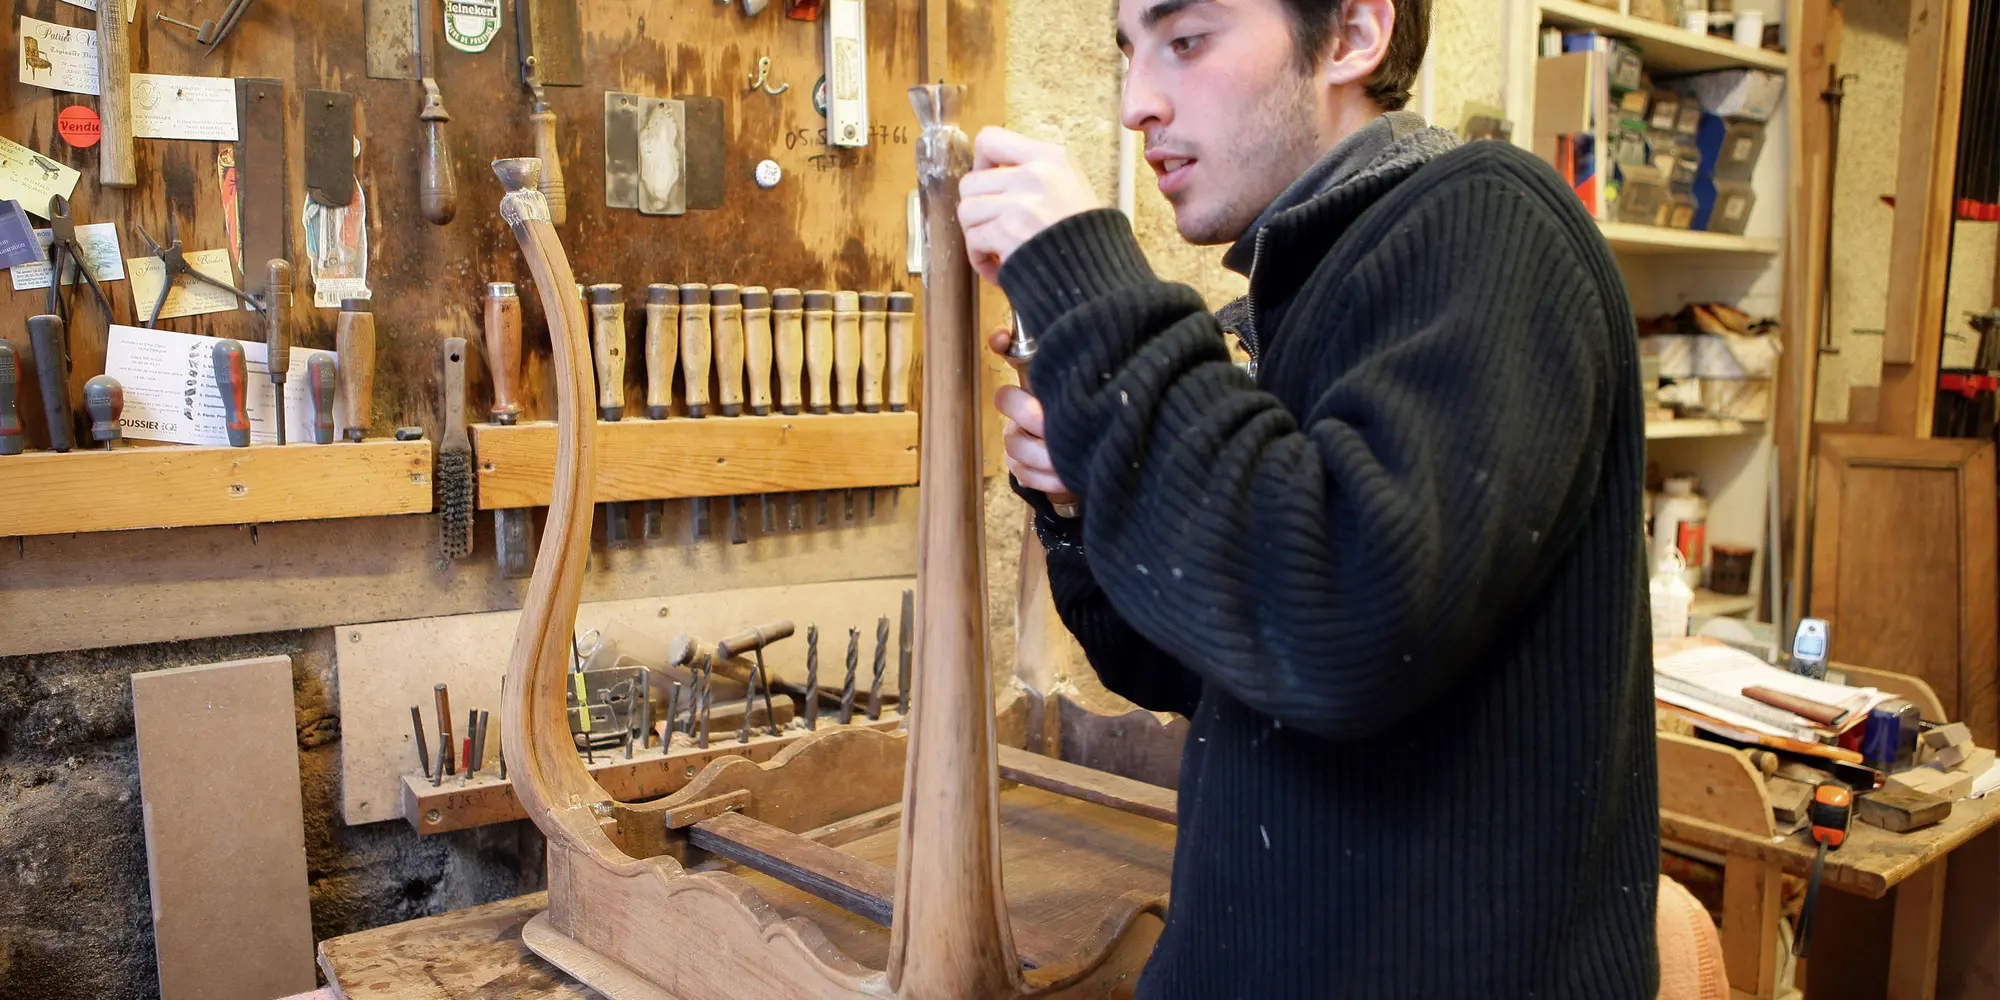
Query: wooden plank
<point x="1111" y="735"/>
<point x="470" y="954"/>
<point x="1913" y="943"/>
<point x="1077" y="782"/>
<point x="90" y="591"/>
<point x="386" y="667"/>
<point x="1914" y="519"/>
<point x="1627" y="237"/>
<point x="489" y="799"/>
<point x="672" y="459"/>
<point x="225" y="834"/>
<point x="145" y="487"/>
<point x="846" y="881"/>
<point x="1667" y="48"/>
<point x="1750" y="924"/>
<point x="1714" y="782"/>
<point x="1920" y="237"/>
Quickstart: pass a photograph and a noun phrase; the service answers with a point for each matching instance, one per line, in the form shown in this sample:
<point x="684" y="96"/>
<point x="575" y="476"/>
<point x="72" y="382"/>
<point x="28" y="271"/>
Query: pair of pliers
<point x="176" y="265"/>
<point x="63" y="251"/>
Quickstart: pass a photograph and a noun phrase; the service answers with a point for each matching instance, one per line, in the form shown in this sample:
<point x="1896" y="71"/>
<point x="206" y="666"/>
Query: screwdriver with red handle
<point x="232" y="381"/>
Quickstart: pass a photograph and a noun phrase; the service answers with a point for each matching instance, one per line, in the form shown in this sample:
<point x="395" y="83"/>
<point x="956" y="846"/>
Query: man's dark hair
<point x="1313" y="26"/>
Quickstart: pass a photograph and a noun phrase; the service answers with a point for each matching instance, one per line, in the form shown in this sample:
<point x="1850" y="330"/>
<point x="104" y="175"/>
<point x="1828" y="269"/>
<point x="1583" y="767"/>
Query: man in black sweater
<point x="1393" y="574"/>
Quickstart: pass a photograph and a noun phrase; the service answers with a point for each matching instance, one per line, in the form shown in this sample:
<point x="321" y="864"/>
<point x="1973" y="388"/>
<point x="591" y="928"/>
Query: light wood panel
<point x="387" y="667"/>
<point x="1701" y="779"/>
<point x="1920" y="240"/>
<point x="1904" y="565"/>
<point x="50" y="494"/>
<point x="671" y="459"/>
<point x="225" y="836"/>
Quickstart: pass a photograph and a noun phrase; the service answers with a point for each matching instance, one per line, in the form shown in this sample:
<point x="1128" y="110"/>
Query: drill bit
<point x="881" y="664"/>
<point x="707" y="699"/>
<point x="749" y="698"/>
<point x="812" y="677"/>
<point x="423" y="745"/>
<point x="847" y="686"/>
<point x="673" y="715"/>
<point x="770" y="716"/>
<point x="905" y="635"/>
<point x="444" y="755"/>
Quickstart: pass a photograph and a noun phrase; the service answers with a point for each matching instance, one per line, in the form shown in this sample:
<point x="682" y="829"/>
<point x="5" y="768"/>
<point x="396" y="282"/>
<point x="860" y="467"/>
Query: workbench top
<point x="461" y="955"/>
<point x="1871" y="862"/>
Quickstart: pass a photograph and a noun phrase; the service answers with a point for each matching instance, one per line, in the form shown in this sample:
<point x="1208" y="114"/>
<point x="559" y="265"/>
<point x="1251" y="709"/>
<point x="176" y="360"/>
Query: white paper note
<point x="100" y="246"/>
<point x="58" y="57"/>
<point x="32" y="179"/>
<point x="170" y="391"/>
<point x="183" y="107"/>
<point x="190" y="296"/>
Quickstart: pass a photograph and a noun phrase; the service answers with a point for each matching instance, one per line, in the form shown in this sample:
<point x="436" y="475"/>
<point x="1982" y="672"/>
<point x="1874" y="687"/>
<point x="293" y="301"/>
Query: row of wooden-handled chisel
<point x="463" y="758"/>
<point x="738" y="350"/>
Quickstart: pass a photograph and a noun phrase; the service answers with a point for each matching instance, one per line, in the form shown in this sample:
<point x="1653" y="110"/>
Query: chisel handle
<point x="503" y="348"/>
<point x="543" y="120"/>
<point x="663" y="338"/>
<point x="696" y="346"/>
<point x="51" y="346"/>
<point x="438" y="182"/>
<point x="757" y="347"/>
<point x="104" y="400"/>
<point x="232" y="383"/>
<point x="789" y="345"/>
<point x="819" y="349"/>
<point x="278" y="320"/>
<point x="902" y="345"/>
<point x="752" y="639"/>
<point x="727" y="303"/>
<point x="846" y="350"/>
<point x="319" y="397"/>
<point x="116" y="166"/>
<point x="354" y="341"/>
<point x="874" y="349"/>
<point x="607" y="314"/>
<point x="12" y="439"/>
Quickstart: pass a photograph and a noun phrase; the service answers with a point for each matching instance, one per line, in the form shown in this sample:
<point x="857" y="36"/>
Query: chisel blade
<point x="514" y="542"/>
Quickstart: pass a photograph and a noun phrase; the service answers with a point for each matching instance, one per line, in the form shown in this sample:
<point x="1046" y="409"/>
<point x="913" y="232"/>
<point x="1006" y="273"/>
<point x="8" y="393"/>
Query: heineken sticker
<point x="469" y="25"/>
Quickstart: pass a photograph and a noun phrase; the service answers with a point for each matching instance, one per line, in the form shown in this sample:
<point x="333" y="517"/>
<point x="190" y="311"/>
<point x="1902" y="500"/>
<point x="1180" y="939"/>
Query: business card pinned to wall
<point x="32" y="179"/>
<point x="58" y="56"/>
<point x="189" y="297"/>
<point x="183" y="107"/>
<point x="100" y="248"/>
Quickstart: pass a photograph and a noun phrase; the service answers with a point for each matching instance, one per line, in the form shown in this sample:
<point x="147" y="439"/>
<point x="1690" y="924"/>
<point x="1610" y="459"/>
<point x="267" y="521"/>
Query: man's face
<point x="1230" y="120"/>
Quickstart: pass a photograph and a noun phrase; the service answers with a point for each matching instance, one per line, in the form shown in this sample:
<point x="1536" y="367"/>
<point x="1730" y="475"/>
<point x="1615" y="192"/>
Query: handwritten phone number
<point x="895" y="134"/>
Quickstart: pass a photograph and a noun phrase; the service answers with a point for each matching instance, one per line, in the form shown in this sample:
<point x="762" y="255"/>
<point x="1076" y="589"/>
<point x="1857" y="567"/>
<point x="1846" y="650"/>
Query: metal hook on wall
<point x="762" y="81"/>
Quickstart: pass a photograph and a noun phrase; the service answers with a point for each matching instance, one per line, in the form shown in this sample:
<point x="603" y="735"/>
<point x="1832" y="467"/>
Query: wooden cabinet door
<point x="1905" y="563"/>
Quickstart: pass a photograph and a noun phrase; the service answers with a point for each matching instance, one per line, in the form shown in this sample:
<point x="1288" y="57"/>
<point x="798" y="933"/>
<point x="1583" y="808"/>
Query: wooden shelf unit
<point x="1666" y="430"/>
<point x="1666" y="47"/>
<point x="1626" y="237"/>
<point x="716" y="456"/>
<point x="178" y="487"/>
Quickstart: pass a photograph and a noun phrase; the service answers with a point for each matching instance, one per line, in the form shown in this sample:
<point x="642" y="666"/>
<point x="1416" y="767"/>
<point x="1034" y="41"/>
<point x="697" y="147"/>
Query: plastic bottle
<point x="1671" y="598"/>
<point x="1680" y="524"/>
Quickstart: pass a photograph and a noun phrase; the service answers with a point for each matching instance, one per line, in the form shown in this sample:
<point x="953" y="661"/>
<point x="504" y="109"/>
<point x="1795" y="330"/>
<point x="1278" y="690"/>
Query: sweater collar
<point x="1391" y="139"/>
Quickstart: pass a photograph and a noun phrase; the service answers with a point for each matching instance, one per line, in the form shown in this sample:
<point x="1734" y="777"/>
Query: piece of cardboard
<point x="225" y="833"/>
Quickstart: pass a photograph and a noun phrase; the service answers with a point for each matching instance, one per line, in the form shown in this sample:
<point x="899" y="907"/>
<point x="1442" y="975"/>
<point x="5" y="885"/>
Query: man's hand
<point x="1017" y="188"/>
<point x="1027" y="453"/>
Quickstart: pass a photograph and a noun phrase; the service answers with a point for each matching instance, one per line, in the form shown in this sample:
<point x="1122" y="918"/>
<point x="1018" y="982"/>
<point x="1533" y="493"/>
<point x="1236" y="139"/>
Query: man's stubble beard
<point x="1273" y="145"/>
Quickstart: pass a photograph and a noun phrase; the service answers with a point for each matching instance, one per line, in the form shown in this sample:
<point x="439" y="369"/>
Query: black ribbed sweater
<point x="1395" y="581"/>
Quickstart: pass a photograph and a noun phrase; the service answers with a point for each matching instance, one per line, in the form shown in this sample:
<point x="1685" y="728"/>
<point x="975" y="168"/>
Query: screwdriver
<point x="12" y="440"/>
<point x="319" y="397"/>
<point x="104" y="400"/>
<point x="232" y="382"/>
<point x="45" y="335"/>
<point x="278" y="330"/>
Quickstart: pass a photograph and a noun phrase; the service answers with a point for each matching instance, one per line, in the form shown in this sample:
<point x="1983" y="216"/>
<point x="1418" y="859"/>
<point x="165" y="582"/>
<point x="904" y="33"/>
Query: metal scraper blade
<point x="392" y="39"/>
<point x="552" y="32"/>
<point x="621" y="149"/>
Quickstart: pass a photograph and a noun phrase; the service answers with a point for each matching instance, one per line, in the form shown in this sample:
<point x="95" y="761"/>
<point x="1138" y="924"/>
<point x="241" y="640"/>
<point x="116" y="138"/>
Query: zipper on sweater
<point x="1250" y="299"/>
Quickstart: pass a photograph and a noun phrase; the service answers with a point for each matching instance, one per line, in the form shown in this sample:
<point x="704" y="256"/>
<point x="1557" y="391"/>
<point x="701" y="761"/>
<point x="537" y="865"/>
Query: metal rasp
<point x="551" y="45"/>
<point x="513" y="527"/>
<point x="51" y="345"/>
<point x="391" y="27"/>
<point x="438" y="191"/>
